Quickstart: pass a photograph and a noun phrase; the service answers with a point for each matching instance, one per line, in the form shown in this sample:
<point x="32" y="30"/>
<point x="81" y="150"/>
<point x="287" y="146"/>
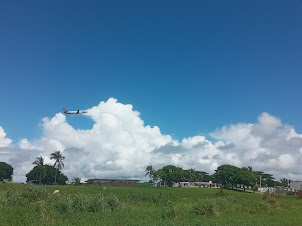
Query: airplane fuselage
<point x="74" y="112"/>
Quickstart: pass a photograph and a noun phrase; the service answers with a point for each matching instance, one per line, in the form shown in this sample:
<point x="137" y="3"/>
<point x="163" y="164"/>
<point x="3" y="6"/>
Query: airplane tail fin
<point x="64" y="110"/>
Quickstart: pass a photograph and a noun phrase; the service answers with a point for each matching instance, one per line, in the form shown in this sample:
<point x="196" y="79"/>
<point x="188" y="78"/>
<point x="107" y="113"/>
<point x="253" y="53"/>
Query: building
<point x="297" y="185"/>
<point x="114" y="182"/>
<point x="196" y="185"/>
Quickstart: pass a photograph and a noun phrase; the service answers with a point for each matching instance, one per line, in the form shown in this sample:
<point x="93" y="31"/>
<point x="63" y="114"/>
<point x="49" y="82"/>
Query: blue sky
<point x="188" y="67"/>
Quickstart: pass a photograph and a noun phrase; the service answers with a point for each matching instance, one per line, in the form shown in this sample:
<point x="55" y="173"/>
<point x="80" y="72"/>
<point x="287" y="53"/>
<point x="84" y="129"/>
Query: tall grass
<point x="159" y="197"/>
<point x="143" y="205"/>
<point x="85" y="203"/>
<point x="62" y="203"/>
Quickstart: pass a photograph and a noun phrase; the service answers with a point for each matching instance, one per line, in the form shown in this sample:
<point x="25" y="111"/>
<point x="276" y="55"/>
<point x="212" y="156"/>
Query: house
<point x="114" y="182"/>
<point x="296" y="185"/>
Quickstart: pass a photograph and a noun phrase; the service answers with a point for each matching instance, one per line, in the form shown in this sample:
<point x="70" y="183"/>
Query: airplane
<point x="74" y="112"/>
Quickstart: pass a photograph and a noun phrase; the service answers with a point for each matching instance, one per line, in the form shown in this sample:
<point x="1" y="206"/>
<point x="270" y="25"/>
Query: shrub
<point x="12" y="198"/>
<point x="85" y="203"/>
<point x="35" y="193"/>
<point x="265" y="195"/>
<point x="206" y="208"/>
<point x="273" y="202"/>
<point x="151" y="197"/>
<point x="272" y="198"/>
<point x="112" y="202"/>
<point x="220" y="193"/>
<point x="62" y="204"/>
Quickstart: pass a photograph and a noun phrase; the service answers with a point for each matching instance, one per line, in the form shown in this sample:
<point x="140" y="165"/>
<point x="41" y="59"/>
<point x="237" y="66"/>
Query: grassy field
<point x="142" y="205"/>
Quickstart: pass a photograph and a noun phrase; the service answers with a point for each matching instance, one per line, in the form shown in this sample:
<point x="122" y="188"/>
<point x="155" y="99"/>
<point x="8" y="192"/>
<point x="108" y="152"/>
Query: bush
<point x="220" y="193"/>
<point x="154" y="198"/>
<point x="206" y="208"/>
<point x="174" y="210"/>
<point x="272" y="198"/>
<point x="273" y="202"/>
<point x="112" y="202"/>
<point x="12" y="198"/>
<point x="85" y="203"/>
<point x="35" y="193"/>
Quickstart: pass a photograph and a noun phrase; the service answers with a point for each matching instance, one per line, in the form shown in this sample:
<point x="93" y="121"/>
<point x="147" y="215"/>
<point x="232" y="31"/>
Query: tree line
<point x="228" y="176"/>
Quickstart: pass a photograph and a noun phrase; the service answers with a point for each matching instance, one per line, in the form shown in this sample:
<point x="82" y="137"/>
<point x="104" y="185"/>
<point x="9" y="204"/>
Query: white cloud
<point x="120" y="145"/>
<point x="4" y="142"/>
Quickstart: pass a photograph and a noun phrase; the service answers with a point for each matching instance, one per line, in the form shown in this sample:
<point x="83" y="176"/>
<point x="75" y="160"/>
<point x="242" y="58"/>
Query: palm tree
<point x="285" y="182"/>
<point x="149" y="170"/>
<point x="39" y="162"/>
<point x="57" y="155"/>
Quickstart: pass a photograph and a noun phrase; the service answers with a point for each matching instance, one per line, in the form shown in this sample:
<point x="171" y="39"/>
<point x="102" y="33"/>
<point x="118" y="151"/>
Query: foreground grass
<point x="91" y="205"/>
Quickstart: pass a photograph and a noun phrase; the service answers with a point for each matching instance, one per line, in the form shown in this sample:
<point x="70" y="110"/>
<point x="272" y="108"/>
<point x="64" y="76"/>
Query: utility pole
<point x="260" y="183"/>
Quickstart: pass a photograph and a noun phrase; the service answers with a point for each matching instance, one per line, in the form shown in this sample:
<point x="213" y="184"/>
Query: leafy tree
<point x="191" y="175"/>
<point x="206" y="177"/>
<point x="246" y="177"/>
<point x="195" y="175"/>
<point x="47" y="177"/>
<point x="39" y="162"/>
<point x="158" y="175"/>
<point x="172" y="174"/>
<point x="76" y="181"/>
<point x="267" y="180"/>
<point x="6" y="171"/>
<point x="58" y="163"/>
<point x="150" y="171"/>
<point x="226" y="174"/>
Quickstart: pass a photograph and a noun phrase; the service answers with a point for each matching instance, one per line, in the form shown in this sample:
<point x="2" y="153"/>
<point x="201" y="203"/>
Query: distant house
<point x="114" y="182"/>
<point x="196" y="185"/>
<point x="297" y="185"/>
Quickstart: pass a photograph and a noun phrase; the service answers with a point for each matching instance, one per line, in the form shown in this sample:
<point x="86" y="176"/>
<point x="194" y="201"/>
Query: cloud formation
<point x="4" y="142"/>
<point x="119" y="145"/>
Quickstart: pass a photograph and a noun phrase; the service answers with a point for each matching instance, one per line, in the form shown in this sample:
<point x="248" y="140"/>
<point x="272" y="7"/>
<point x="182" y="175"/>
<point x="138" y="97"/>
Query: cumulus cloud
<point x="119" y="145"/>
<point x="4" y="142"/>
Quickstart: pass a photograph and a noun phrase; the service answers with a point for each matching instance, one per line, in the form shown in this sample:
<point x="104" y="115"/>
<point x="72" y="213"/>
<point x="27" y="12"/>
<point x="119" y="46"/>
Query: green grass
<point x="142" y="205"/>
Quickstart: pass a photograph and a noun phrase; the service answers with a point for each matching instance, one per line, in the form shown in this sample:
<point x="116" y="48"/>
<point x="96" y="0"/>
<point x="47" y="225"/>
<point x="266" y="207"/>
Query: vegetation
<point x="92" y="205"/>
<point x="6" y="171"/>
<point x="150" y="171"/>
<point x="228" y="176"/>
<point x="76" y="181"/>
<point x="284" y="182"/>
<point x="58" y="157"/>
<point x="39" y="162"/>
<point x="171" y="174"/>
<point x="47" y="176"/>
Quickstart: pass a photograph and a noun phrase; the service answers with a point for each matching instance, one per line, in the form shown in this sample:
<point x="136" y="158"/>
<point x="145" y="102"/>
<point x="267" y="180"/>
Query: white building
<point x="296" y="185"/>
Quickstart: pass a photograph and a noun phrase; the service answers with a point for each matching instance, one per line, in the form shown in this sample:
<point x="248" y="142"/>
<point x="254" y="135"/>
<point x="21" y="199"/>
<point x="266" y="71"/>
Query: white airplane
<point x="74" y="112"/>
